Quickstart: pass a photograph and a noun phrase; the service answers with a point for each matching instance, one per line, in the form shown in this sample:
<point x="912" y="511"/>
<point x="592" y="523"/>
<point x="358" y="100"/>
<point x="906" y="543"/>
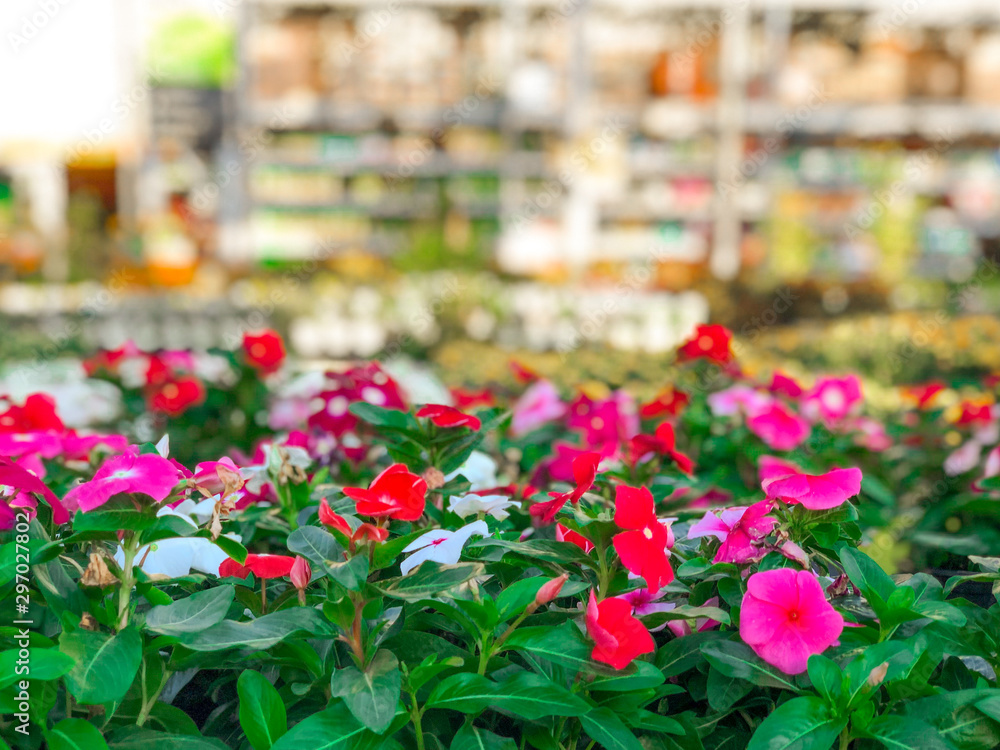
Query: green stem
<point x="130" y="549"/>
<point x="845" y="739"/>
<point x="148" y="704"/>
<point x="603" y="577"/>
<point x="487" y="650"/>
<point x="416" y="714"/>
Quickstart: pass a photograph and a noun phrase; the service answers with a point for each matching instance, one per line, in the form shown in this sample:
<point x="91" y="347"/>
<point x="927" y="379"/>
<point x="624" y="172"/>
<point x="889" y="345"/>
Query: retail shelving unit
<point x="490" y="173"/>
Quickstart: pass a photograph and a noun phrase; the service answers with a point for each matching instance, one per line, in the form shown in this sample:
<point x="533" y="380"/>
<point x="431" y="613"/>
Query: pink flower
<point x="604" y="424"/>
<point x="739" y="529"/>
<point x="22" y="480"/>
<point x="769" y="467"/>
<point x="738" y="398"/>
<point x="44" y="444"/>
<point x="147" y="473"/>
<point x="871" y="434"/>
<point x="784" y="385"/>
<point x="779" y="427"/>
<point x="815" y="492"/>
<point x="213" y="477"/>
<point x="539" y="404"/>
<point x="642" y="547"/>
<point x="963" y="459"/>
<point x="832" y="399"/>
<point x="785" y="618"/>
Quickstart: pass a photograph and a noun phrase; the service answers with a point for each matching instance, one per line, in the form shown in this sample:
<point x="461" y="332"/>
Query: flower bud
<point x="550" y="590"/>
<point x="301" y="573"/>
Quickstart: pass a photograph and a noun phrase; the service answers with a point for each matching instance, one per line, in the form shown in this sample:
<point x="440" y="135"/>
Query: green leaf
<point x="686" y="612"/>
<point x="193" y="613"/>
<point x="560" y="554"/>
<point x="958" y="719"/>
<point x="262" y="711"/>
<point x="724" y="690"/>
<point x="604" y="726"/>
<point x="41" y="664"/>
<point x="681" y="654"/>
<point x="430" y="579"/>
<point x="105" y="665"/>
<point x="316" y="545"/>
<point x="261" y="633"/>
<point x="372" y="695"/>
<point x="124" y="519"/>
<point x="525" y="694"/>
<point x="645" y="676"/>
<point x="828" y="679"/>
<point x="390" y="420"/>
<point x="803" y="723"/>
<point x="865" y="573"/>
<point x="75" y="734"/>
<point x="331" y="729"/>
<point x="352" y="575"/>
<point x="563" y="645"/>
<point x="735" y="659"/>
<point x="905" y="733"/>
<point x="470" y="737"/>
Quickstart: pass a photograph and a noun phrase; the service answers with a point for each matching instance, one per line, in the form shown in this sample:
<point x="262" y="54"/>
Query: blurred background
<point x="579" y="181"/>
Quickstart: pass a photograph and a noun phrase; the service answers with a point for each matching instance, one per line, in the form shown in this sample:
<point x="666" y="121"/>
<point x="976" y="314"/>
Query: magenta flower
<point x="538" y="404"/>
<point x="739" y="530"/>
<point x="784" y="385"/>
<point x="147" y="473"/>
<point x="779" y="427"/>
<point x="815" y="492"/>
<point x="769" y="467"/>
<point x="785" y="618"/>
<point x="17" y="444"/>
<point x="832" y="399"/>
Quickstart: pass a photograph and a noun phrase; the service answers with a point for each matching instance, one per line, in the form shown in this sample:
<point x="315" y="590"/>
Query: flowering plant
<point x="563" y="573"/>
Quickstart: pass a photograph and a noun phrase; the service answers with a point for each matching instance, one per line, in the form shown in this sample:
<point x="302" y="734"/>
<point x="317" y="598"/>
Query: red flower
<point x="395" y="493"/>
<point x="174" y="396"/>
<point x="37" y="415"/>
<point x="328" y="518"/>
<point x="669" y="402"/>
<point x="466" y="398"/>
<point x="584" y="474"/>
<point x="568" y="535"/>
<point x="643" y="547"/>
<point x="447" y="416"/>
<point x="618" y="636"/>
<point x="923" y="395"/>
<point x="662" y="443"/>
<point x="522" y="373"/>
<point x="974" y="412"/>
<point x="264" y="351"/>
<point x="366" y="532"/>
<point x="709" y="342"/>
<point x="262" y="566"/>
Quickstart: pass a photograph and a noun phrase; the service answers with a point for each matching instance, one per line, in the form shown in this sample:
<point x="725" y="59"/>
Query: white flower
<point x="441" y="545"/>
<point x="178" y="556"/>
<point x="494" y="505"/>
<point x="480" y="469"/>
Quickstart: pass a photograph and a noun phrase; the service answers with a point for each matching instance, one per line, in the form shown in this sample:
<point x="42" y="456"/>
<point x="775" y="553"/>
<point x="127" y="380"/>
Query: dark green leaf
<point x="526" y="695"/>
<point x="604" y="726"/>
